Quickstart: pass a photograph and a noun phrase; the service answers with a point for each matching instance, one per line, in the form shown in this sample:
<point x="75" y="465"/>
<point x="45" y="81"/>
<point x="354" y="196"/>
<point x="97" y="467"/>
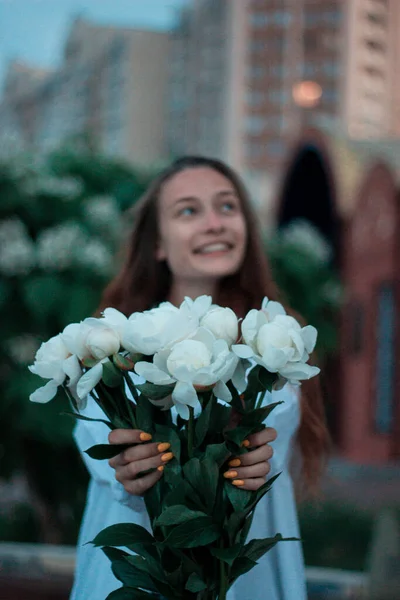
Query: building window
<point x="377" y="19"/>
<point x="385" y="359"/>
<point x="375" y="46"/>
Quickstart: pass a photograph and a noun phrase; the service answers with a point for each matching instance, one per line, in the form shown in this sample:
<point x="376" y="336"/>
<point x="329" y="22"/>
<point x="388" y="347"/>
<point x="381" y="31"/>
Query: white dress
<point x="279" y="574"/>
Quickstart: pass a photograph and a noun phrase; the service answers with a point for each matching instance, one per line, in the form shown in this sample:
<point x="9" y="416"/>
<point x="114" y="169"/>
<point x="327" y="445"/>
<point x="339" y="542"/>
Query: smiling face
<point x="202" y="229"/>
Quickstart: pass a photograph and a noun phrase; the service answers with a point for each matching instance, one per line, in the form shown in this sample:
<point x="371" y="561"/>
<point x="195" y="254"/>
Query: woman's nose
<point x="214" y="221"/>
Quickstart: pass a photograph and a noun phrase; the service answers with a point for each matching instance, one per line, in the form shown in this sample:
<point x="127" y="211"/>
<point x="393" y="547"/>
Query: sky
<point x="35" y="30"/>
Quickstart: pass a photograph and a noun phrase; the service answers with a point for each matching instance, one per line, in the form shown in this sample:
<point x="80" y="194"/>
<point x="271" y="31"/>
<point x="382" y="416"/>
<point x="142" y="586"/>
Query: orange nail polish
<point x="163" y="447"/>
<point x="246" y="443"/>
<point x="230" y="474"/>
<point x="236" y="462"/>
<point x="167" y="457"/>
<point x="238" y="482"/>
<point x="145" y="437"/>
<point x="160" y="468"/>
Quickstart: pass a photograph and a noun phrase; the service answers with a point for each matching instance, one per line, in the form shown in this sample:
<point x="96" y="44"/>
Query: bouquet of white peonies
<point x="200" y="375"/>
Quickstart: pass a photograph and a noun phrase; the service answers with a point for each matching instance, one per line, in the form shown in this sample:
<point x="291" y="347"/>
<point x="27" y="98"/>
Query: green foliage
<point x="61" y="223"/>
<point x="198" y="519"/>
<point x="335" y="535"/>
<point x="302" y="267"/>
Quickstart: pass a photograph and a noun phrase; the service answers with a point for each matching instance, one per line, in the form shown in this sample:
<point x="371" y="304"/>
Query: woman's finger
<point x="252" y="472"/>
<point x="137" y="487"/>
<point x="263" y="453"/>
<point x="265" y="436"/>
<point x="128" y="436"/>
<point x="138" y="452"/>
<point x="250" y="484"/>
<point x="133" y="469"/>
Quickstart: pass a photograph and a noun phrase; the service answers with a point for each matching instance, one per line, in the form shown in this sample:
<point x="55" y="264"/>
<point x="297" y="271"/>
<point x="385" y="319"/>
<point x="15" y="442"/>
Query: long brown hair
<point x="143" y="281"/>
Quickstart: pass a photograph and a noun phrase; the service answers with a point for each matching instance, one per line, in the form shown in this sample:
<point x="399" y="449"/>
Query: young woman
<point x="195" y="233"/>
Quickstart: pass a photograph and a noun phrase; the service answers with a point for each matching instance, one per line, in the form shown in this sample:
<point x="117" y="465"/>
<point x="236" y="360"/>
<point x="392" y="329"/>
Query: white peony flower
<point x="53" y="361"/>
<point x="222" y="322"/>
<point x="197" y="308"/>
<point x="276" y="341"/>
<point x="95" y="339"/>
<point x="149" y="331"/>
<point x="193" y="364"/>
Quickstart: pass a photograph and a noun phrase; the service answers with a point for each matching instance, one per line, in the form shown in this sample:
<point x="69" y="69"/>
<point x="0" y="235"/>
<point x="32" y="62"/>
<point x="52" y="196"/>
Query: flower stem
<point x="261" y="399"/>
<point x="222" y="581"/>
<point x="190" y="432"/>
<point x="133" y="390"/>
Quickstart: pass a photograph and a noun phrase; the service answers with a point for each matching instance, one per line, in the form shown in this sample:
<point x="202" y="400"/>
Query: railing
<point x="45" y="572"/>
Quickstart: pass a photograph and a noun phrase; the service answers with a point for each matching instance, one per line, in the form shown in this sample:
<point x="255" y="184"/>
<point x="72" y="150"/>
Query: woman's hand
<point x="249" y="471"/>
<point x="133" y="461"/>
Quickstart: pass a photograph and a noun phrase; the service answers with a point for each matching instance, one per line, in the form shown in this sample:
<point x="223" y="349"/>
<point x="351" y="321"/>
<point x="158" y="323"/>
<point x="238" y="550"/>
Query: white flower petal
<point x="239" y="376"/>
<point x="44" y="394"/>
<point x="184" y="393"/>
<point x="89" y="380"/>
<point x="298" y="371"/>
<point x="242" y="351"/>
<point x="274" y="309"/>
<point x="72" y="369"/>
<point x="152" y="373"/>
<point x="309" y="335"/>
<point x="221" y="391"/>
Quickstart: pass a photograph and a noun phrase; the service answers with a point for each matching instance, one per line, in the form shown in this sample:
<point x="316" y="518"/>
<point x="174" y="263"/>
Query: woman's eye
<point x="228" y="207"/>
<point x="188" y="211"/>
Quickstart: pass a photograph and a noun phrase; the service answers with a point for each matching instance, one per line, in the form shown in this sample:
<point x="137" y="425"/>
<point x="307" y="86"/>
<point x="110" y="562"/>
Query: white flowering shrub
<point x="60" y="226"/>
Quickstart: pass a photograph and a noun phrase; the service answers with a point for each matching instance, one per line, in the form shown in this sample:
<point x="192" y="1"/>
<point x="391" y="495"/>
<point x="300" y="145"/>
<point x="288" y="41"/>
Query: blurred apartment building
<point x="246" y="74"/>
<point x="110" y="88"/>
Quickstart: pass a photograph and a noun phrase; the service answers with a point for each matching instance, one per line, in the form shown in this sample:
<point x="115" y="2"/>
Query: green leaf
<point x="155" y="392"/>
<point x="237" y="497"/>
<point x="195" y="584"/>
<point x="239" y="434"/>
<point x="123" y="362"/>
<point x="131" y="576"/>
<point x="267" y="379"/>
<point x="174" y="515"/>
<point x="152" y="500"/>
<point x="148" y="551"/>
<point x="258" y="416"/>
<point x="210" y="477"/>
<point x="144" y="414"/>
<point x="150" y="566"/>
<point x="256" y="548"/>
<point x="196" y="532"/>
<point x="129" y="593"/>
<point x="241" y="566"/>
<point x="220" y="416"/>
<point x="114" y="553"/>
<point x="111" y="377"/>
<point x="83" y="418"/>
<point x="246" y="528"/>
<point x="169" y="434"/>
<point x="218" y="453"/>
<point x="257" y="495"/>
<point x="123" y="534"/>
<point x="105" y="451"/>
<point x="193" y="475"/>
<point x="203" y="422"/>
<point x="173" y="473"/>
<point x="89" y="362"/>
<point x="227" y="555"/>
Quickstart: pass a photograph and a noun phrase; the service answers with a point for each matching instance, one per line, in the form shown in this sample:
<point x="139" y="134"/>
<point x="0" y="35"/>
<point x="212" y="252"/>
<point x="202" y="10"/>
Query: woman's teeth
<point x="213" y="248"/>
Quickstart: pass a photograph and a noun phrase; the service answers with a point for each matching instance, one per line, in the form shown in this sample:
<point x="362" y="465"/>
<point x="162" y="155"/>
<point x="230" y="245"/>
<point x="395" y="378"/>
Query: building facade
<point x="110" y="88"/>
<point x="254" y="70"/>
